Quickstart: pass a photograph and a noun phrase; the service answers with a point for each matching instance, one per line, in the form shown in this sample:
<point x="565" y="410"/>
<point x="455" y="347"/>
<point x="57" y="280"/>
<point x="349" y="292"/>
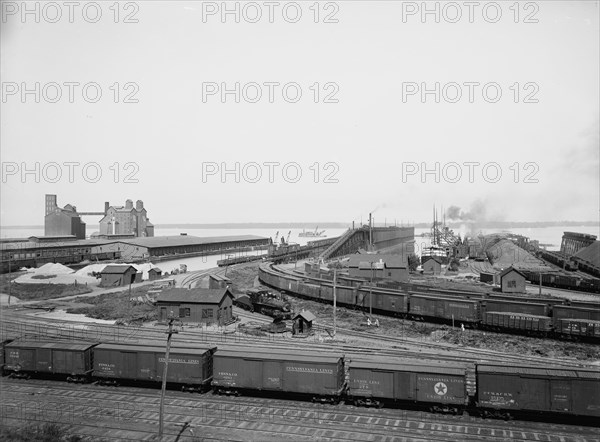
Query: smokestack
<point x="129" y="204"/>
<point x="370" y="233"/>
<point x="139" y="205"/>
<point x="106" y="207"/>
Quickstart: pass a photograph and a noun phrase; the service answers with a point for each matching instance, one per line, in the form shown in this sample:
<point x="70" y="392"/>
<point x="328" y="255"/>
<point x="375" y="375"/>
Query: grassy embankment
<point x="41" y="291"/>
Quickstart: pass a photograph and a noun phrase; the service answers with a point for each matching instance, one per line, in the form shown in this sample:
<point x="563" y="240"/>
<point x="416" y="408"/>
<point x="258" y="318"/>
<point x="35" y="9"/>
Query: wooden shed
<point x="432" y="265"/>
<point x="154" y="273"/>
<point x="198" y="305"/>
<point x="512" y="281"/>
<point x="303" y="322"/>
<point x="119" y="275"/>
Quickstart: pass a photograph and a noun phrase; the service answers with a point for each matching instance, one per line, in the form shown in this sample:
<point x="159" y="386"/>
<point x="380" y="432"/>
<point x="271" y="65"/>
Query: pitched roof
<point x="197" y="295"/>
<point x="431" y="258"/>
<point x="185" y="240"/>
<point x="505" y="272"/>
<point x="117" y="269"/>
<point x="306" y="315"/>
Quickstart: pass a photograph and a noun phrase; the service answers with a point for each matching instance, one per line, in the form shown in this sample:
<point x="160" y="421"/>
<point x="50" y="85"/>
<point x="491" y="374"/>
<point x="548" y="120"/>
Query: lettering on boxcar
<point x="310" y="370"/>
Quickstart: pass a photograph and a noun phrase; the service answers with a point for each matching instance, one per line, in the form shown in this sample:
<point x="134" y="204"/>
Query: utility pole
<point x="9" y="280"/>
<point x="371" y="293"/>
<point x="169" y="333"/>
<point x="334" y="299"/>
<point x="540" y="283"/>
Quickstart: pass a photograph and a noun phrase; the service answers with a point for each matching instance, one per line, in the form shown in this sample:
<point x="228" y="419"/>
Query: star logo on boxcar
<point x="440" y="388"/>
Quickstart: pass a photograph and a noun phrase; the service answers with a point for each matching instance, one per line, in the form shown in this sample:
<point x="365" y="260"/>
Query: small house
<point x="119" y="275"/>
<point x="218" y="282"/>
<point x="154" y="273"/>
<point x="303" y="322"/>
<point x="198" y="305"/>
<point x="432" y="265"/>
<point x="512" y="281"/>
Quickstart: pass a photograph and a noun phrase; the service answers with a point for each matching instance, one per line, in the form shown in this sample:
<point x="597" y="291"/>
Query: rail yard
<point x="344" y="381"/>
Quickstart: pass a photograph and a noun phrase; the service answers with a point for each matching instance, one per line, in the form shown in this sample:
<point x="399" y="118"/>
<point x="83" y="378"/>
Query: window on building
<point x="512" y="284"/>
<point x="184" y="312"/>
<point x="207" y="313"/>
<point x="389" y="273"/>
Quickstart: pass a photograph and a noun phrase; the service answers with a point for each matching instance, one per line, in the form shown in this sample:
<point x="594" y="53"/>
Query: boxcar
<point x="441" y="387"/>
<point x="312" y="291"/>
<point x="187" y="366"/>
<point x="464" y="310"/>
<point x="2" y="345"/>
<point x="390" y="302"/>
<point x="320" y="376"/>
<point x="578" y="328"/>
<point x="567" y="312"/>
<point x="586" y="304"/>
<point x="70" y="359"/>
<point x="505" y="389"/>
<point x="539" y="325"/>
<point x="527" y="308"/>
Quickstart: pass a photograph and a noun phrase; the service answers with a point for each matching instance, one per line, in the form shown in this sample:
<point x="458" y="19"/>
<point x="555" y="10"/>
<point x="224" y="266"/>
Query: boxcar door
<point x="534" y="394"/>
<point x="149" y="365"/>
<point x="272" y="375"/>
<point x="44" y="360"/>
<point x="60" y="361"/>
<point x="405" y="386"/>
<point x="560" y="395"/>
<point x="129" y="365"/>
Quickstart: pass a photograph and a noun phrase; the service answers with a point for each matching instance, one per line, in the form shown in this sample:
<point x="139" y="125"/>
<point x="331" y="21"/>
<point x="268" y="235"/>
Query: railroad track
<point x="133" y="411"/>
<point x="24" y="326"/>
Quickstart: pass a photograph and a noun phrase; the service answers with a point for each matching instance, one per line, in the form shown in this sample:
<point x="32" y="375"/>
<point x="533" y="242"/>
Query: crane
<point x="287" y="240"/>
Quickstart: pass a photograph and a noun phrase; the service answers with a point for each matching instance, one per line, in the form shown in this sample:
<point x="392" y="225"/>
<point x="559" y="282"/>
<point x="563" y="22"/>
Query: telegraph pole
<point x="169" y="333"/>
<point x="371" y="294"/>
<point x="334" y="299"/>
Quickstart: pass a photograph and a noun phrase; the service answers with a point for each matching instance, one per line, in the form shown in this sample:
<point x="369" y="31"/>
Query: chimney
<point x="106" y="207"/>
<point x="139" y="205"/>
<point x="129" y="204"/>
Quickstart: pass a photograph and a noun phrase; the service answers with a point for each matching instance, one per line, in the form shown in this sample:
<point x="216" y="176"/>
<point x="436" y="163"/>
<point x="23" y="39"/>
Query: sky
<point x="341" y="109"/>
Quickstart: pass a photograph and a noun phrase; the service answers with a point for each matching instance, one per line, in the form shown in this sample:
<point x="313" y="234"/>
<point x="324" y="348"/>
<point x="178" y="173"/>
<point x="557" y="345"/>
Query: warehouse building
<point x="512" y="281"/>
<point x="203" y="306"/>
<point x="144" y="248"/>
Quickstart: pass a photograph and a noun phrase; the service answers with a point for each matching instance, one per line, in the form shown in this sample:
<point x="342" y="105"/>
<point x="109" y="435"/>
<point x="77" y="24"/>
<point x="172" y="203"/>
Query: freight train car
<point x="384" y="301"/>
<point x="528" y="324"/>
<point x="190" y="367"/>
<point x="345" y="296"/>
<point x="70" y="360"/>
<point x="526" y="308"/>
<point x="311" y="374"/>
<point x="376" y="381"/>
<point x="506" y="390"/>
<point x="433" y="307"/>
